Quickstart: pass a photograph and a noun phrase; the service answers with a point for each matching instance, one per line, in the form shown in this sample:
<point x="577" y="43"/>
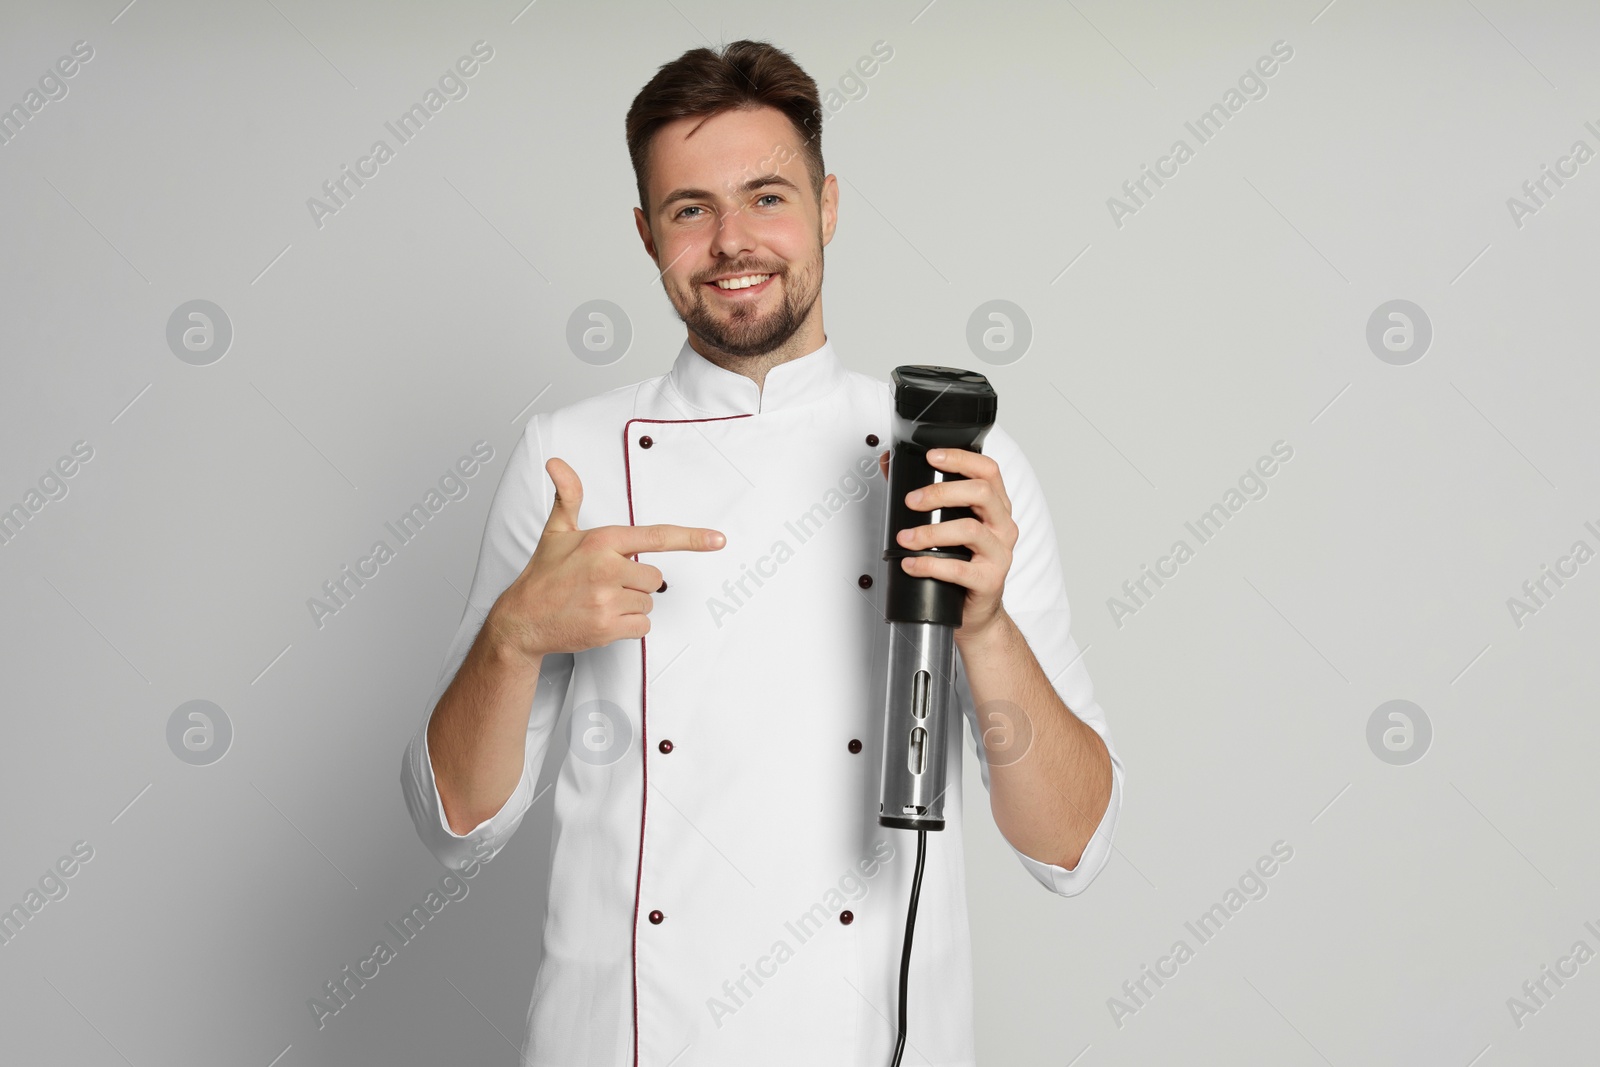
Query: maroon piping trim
<point x="644" y="746"/>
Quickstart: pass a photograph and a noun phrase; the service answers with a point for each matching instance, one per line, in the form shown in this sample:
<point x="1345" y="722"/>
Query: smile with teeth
<point x="744" y="282"/>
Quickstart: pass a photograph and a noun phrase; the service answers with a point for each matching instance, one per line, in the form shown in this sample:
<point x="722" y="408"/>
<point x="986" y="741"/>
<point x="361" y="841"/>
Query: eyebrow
<point x="749" y="187"/>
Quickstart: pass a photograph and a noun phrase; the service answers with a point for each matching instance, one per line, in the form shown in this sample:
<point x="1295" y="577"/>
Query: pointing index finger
<point x="665" y="537"/>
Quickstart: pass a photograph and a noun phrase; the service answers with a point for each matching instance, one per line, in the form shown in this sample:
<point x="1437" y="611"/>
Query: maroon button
<point x="656" y="917"/>
<point x="665" y="746"/>
<point x="645" y="442"/>
<point x="872" y="439"/>
<point x="847" y="917"/>
<point x="663" y="588"/>
<point x="854" y="746"/>
<point x="865" y="581"/>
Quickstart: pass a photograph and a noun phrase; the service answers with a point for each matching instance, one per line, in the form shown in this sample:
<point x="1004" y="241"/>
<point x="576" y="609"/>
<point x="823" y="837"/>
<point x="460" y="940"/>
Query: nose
<point x="733" y="237"/>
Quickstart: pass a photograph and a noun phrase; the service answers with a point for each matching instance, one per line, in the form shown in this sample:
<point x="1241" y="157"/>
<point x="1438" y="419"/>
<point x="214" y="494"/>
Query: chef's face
<point x="730" y="198"/>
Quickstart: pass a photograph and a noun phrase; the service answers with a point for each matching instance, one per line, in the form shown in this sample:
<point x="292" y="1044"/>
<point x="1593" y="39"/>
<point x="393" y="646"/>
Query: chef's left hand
<point x="990" y="536"/>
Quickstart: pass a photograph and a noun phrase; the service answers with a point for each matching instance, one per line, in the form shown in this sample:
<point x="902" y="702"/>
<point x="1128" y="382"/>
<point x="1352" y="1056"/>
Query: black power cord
<point x="905" y="951"/>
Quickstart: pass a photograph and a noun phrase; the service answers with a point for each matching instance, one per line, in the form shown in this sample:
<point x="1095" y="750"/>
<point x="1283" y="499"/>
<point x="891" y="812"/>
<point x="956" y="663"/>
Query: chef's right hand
<point x="580" y="589"/>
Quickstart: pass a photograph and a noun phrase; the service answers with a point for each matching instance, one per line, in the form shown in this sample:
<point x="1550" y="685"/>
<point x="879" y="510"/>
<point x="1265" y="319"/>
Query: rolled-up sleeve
<point x="1036" y="599"/>
<point x="516" y="519"/>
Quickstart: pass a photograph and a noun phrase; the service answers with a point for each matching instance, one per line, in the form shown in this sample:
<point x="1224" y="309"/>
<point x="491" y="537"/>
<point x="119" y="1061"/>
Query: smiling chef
<point x="693" y="563"/>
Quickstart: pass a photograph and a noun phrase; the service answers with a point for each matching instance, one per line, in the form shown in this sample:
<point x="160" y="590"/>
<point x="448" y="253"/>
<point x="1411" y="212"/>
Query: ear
<point x="830" y="207"/>
<point x="644" y="235"/>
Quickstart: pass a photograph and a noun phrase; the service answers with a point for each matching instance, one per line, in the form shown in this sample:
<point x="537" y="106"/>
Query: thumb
<point x="569" y="495"/>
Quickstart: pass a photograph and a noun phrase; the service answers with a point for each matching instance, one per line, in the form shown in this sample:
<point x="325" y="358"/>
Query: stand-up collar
<point x="711" y="390"/>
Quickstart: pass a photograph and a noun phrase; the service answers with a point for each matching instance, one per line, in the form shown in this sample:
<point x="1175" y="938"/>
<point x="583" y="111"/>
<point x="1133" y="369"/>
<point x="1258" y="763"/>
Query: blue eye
<point x="695" y="207"/>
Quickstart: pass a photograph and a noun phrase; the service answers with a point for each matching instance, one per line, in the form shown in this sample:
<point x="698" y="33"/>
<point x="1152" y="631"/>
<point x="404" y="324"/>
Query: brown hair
<point x="745" y="74"/>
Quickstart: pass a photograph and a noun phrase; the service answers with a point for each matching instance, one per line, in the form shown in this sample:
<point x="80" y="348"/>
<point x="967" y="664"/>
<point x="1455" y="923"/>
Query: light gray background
<point x="1229" y="313"/>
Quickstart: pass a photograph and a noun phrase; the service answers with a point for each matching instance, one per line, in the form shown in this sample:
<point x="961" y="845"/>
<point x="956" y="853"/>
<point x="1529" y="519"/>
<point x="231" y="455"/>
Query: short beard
<point x="743" y="334"/>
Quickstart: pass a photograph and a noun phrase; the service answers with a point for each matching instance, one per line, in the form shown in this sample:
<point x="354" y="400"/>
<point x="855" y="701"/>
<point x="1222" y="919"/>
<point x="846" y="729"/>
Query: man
<point x="720" y="890"/>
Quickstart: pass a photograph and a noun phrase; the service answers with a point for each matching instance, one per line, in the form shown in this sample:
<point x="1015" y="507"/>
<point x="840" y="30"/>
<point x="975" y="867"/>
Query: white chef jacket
<point x="721" y="893"/>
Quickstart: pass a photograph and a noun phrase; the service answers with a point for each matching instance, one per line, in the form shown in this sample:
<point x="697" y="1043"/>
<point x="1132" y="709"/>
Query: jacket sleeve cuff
<point x="482" y="842"/>
<point x="1096" y="853"/>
